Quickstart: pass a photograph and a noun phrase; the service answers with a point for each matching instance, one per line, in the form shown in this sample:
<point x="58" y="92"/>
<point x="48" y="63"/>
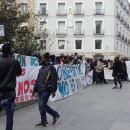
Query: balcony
<point x="128" y="41"/>
<point x="61" y="13"/>
<point x="118" y="34"/>
<point x="118" y="15"/>
<point x="125" y="39"/>
<point x="43" y="12"/>
<point x="99" y="12"/>
<point x="121" y="3"/>
<point x="98" y="32"/>
<point x="127" y="26"/>
<point x="61" y="32"/>
<point x="78" y="32"/>
<point x="121" y="19"/>
<point x="124" y="22"/>
<point x="24" y="12"/>
<point x="122" y="37"/>
<point x="79" y="12"/>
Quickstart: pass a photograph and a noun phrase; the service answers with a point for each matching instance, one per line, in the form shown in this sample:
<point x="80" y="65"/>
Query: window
<point x="78" y="44"/>
<point x="78" y="27"/>
<point x="98" y="27"/>
<point x="61" y="9"/>
<point x="61" y="27"/>
<point x="61" y="44"/>
<point x="124" y="49"/>
<point x="98" y="44"/>
<point x="98" y="7"/>
<point x="121" y="48"/>
<point x="117" y="46"/>
<point x="43" y="9"/>
<point x="24" y="8"/>
<point x="43" y="44"/>
<point x="78" y="8"/>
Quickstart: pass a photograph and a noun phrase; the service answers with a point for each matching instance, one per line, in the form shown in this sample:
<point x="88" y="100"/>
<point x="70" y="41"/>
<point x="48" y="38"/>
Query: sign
<point x="1" y="46"/>
<point x="108" y="74"/>
<point x="110" y="58"/>
<point x="26" y="81"/>
<point x="128" y="68"/>
<point x="70" y="17"/>
<point x="2" y="30"/>
<point x="71" y="79"/>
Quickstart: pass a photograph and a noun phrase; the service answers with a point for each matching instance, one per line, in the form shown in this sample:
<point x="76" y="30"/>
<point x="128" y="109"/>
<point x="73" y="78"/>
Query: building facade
<point x="27" y="6"/>
<point x="92" y="28"/>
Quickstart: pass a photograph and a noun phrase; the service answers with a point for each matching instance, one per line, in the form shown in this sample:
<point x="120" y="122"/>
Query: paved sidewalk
<point x="97" y="107"/>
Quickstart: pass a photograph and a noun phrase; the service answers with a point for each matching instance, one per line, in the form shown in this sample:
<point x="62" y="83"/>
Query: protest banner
<point x="108" y="74"/>
<point x="71" y="79"/>
<point x="26" y="81"/>
<point x="128" y="68"/>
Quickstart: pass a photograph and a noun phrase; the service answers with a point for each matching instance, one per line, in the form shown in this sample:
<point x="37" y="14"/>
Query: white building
<point x="92" y="28"/>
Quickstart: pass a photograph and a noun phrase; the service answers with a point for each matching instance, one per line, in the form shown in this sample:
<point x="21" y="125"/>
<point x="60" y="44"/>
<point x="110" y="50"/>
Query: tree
<point x="18" y="32"/>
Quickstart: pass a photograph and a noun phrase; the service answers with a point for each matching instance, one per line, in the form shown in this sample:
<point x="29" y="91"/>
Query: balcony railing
<point x="61" y="13"/>
<point x="99" y="32"/>
<point x="122" y="37"/>
<point x="121" y="19"/>
<point x="78" y="32"/>
<point x="124" y="22"/>
<point x="61" y="32"/>
<point x="79" y="12"/>
<point x="118" y="34"/>
<point x="99" y="12"/>
<point x="125" y="39"/>
<point x="43" y="12"/>
<point x="121" y="3"/>
<point x="127" y="25"/>
<point x="118" y="15"/>
<point x="128" y="41"/>
<point x="24" y="12"/>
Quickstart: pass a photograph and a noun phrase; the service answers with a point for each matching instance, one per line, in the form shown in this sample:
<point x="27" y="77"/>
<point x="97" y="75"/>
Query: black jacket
<point x="46" y="80"/>
<point x="117" y="68"/>
<point x="9" y="69"/>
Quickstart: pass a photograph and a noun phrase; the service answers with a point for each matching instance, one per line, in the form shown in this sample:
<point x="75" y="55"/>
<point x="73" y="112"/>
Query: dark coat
<point x="9" y="69"/>
<point x="46" y="81"/>
<point x="117" y="68"/>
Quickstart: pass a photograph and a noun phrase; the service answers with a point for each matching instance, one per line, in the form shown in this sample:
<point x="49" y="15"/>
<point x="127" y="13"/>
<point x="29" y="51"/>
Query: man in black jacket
<point x="9" y="69"/>
<point x="46" y="85"/>
<point x="117" y="70"/>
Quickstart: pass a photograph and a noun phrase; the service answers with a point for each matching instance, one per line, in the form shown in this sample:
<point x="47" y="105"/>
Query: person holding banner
<point x="46" y="85"/>
<point x="117" y="70"/>
<point x="9" y="69"/>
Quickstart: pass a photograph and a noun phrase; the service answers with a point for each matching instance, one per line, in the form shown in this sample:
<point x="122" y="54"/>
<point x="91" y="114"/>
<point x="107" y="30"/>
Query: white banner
<point x="108" y="74"/>
<point x="26" y="81"/>
<point x="71" y="79"/>
<point x="70" y="17"/>
<point x="2" y="30"/>
<point x="128" y="68"/>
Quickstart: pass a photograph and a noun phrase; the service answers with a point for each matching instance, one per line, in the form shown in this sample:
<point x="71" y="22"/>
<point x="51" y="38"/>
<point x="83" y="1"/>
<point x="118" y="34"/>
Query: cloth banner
<point x="71" y="79"/>
<point x="128" y="68"/>
<point x="108" y="74"/>
<point x="26" y="81"/>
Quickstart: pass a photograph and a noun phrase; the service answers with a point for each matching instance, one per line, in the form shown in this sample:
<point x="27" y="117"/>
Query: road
<point x="97" y="107"/>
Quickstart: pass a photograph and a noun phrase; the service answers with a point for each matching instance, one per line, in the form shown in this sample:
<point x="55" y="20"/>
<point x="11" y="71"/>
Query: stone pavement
<point x="97" y="107"/>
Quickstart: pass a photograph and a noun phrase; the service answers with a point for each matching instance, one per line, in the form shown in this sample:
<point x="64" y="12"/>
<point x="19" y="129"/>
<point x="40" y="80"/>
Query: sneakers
<point x="115" y="87"/>
<point x="55" y="119"/>
<point x="45" y="124"/>
<point x="120" y="86"/>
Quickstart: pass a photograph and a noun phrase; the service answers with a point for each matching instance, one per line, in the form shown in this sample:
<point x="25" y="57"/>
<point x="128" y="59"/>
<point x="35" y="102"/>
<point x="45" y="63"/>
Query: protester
<point x="71" y="61"/>
<point x="57" y="61"/>
<point x="117" y="70"/>
<point x="9" y="69"/>
<point x="46" y="85"/>
<point x="65" y="61"/>
<point x="99" y="69"/>
<point x="124" y="72"/>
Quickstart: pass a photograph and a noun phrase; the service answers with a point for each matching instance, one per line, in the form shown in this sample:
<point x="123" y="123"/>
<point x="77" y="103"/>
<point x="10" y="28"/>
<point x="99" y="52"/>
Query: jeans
<point x="7" y="101"/>
<point x="43" y="107"/>
<point x="117" y="78"/>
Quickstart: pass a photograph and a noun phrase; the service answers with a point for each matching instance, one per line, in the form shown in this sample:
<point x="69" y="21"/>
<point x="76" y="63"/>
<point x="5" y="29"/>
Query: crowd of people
<point x="97" y="65"/>
<point x="46" y="82"/>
